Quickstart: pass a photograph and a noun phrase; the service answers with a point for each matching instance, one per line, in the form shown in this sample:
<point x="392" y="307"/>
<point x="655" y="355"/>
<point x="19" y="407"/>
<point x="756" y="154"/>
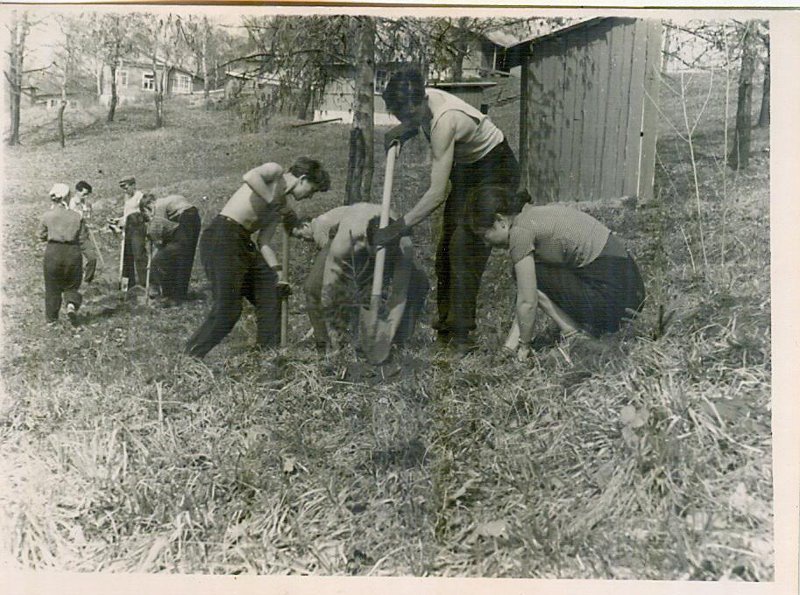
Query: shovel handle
<point x="285" y="278"/>
<point x="380" y="255"/>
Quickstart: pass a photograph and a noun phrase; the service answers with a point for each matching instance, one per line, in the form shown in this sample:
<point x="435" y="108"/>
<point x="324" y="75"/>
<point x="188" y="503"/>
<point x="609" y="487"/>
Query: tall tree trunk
<point x="19" y="33"/>
<point x="304" y="101"/>
<point x="98" y="77"/>
<point x="61" y="136"/>
<point x="204" y="62"/>
<point x="361" y="167"/>
<point x="763" y="114"/>
<point x="739" y="157"/>
<point x="112" y="105"/>
<point x="667" y="48"/>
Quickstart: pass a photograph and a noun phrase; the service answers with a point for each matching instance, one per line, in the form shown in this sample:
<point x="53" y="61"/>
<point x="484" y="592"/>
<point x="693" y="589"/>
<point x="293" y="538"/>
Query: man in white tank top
<point x="468" y="152"/>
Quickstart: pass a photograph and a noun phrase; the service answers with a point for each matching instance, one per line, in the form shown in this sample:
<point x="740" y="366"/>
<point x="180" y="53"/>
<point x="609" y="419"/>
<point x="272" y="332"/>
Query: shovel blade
<point x="375" y="336"/>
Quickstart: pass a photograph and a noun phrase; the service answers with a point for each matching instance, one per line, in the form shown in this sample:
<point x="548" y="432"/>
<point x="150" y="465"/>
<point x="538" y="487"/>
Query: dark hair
<point x="313" y="170"/>
<point x="405" y="86"/>
<point x="486" y="202"/>
<point x="146" y="201"/>
<point x="83" y="186"/>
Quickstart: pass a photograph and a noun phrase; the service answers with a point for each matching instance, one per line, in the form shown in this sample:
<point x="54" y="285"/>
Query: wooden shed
<point x="588" y="112"/>
<point x="470" y="91"/>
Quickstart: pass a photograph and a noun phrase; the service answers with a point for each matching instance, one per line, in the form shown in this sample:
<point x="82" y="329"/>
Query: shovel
<point x="284" y="278"/>
<point x="123" y="282"/>
<point x="375" y="335"/>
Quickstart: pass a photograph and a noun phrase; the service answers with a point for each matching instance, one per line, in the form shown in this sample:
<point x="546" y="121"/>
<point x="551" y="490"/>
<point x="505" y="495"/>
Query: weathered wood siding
<point x="588" y="121"/>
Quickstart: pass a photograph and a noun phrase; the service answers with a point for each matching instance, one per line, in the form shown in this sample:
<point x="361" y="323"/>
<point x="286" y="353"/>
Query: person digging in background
<point x="80" y="200"/>
<point x="342" y="236"/>
<point x="134" y="250"/>
<point x="68" y="243"/>
<point x="566" y="264"/>
<point x="470" y="151"/>
<point x="236" y="266"/>
<point x="173" y="225"/>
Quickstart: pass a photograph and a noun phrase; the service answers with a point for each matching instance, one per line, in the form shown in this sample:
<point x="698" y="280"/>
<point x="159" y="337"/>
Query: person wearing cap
<point x="80" y="200"/>
<point x="468" y="152"/>
<point x="237" y="266"/>
<point x="134" y="249"/>
<point x="173" y="225"/>
<point x="342" y="236"/>
<point x="68" y="243"/>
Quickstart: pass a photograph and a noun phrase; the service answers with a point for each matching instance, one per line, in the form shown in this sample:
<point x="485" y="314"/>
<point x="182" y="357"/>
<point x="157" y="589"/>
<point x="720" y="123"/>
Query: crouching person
<point x="68" y="243"/>
<point x="344" y="266"/>
<point x="566" y="263"/>
<point x="173" y="225"/>
<point x="236" y="266"/>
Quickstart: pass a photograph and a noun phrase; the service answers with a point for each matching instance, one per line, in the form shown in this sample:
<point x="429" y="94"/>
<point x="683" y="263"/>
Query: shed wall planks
<point x="589" y="120"/>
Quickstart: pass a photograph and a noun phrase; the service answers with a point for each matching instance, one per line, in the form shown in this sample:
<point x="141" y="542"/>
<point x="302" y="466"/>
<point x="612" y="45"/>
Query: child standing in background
<point x="68" y="242"/>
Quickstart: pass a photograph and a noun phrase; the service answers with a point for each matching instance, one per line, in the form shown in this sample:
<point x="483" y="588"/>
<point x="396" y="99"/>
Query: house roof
<point x="464" y="84"/>
<point x="501" y="38"/>
<point x="148" y="65"/>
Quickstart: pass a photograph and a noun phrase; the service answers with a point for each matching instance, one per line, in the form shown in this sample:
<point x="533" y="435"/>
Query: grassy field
<point x="645" y="455"/>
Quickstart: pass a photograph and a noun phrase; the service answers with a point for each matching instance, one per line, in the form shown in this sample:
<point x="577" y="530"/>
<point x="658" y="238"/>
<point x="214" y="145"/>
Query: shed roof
<point x="517" y="53"/>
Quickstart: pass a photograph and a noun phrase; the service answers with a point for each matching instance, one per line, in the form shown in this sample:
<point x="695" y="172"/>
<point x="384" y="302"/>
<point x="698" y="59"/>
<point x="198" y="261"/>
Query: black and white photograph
<point x="503" y="300"/>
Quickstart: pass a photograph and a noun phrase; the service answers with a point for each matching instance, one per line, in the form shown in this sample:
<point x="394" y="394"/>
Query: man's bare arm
<point x="442" y="149"/>
<point x="260" y="178"/>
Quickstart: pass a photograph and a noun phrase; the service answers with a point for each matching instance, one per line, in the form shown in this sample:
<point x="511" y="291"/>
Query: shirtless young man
<point x="341" y="235"/>
<point x="236" y="266"/>
<point x="468" y="152"/>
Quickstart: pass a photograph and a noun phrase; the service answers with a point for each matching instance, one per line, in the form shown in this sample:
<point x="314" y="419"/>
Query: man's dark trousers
<point x="63" y="270"/>
<point x="461" y="255"/>
<point x="235" y="270"/>
<point x="172" y="264"/>
<point x="134" y="258"/>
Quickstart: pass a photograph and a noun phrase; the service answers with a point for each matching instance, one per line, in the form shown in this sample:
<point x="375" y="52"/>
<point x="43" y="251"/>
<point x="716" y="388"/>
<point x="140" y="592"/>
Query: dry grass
<point x="644" y="455"/>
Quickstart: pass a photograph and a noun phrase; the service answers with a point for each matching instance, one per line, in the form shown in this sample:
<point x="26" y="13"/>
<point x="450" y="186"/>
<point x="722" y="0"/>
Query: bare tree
<point x="65" y="66"/>
<point x="160" y="40"/>
<point x="197" y="34"/>
<point x="764" y="114"/>
<point x="19" y="28"/>
<point x="360" y="167"/>
<point x="739" y="156"/>
<point x="107" y="39"/>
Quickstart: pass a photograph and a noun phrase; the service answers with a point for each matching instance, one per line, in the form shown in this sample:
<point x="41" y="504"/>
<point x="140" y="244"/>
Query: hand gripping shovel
<point x="375" y="335"/>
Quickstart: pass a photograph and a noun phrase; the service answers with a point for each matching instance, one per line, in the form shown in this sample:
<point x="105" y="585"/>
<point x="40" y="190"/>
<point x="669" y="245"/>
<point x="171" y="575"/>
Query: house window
<point x="148" y="81"/>
<point x="183" y="83"/>
<point x="122" y="78"/>
<point x="381" y="79"/>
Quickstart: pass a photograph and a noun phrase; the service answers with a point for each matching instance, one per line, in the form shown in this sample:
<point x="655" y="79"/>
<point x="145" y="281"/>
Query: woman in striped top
<point x="566" y="263"/>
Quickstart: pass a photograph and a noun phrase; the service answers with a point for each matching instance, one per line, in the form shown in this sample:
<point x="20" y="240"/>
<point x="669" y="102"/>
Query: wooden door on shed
<point x="588" y="115"/>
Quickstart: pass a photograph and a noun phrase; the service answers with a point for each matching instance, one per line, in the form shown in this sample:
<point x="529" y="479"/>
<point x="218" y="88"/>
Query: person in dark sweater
<point x="68" y="243"/>
<point x="566" y="264"/>
<point x="173" y="225"/>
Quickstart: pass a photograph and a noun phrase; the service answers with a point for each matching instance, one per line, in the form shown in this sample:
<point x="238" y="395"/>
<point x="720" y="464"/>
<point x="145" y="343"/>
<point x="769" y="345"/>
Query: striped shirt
<point x="556" y="234"/>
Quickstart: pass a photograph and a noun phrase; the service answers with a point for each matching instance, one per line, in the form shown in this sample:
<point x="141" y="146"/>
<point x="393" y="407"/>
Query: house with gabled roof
<point x="136" y="81"/>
